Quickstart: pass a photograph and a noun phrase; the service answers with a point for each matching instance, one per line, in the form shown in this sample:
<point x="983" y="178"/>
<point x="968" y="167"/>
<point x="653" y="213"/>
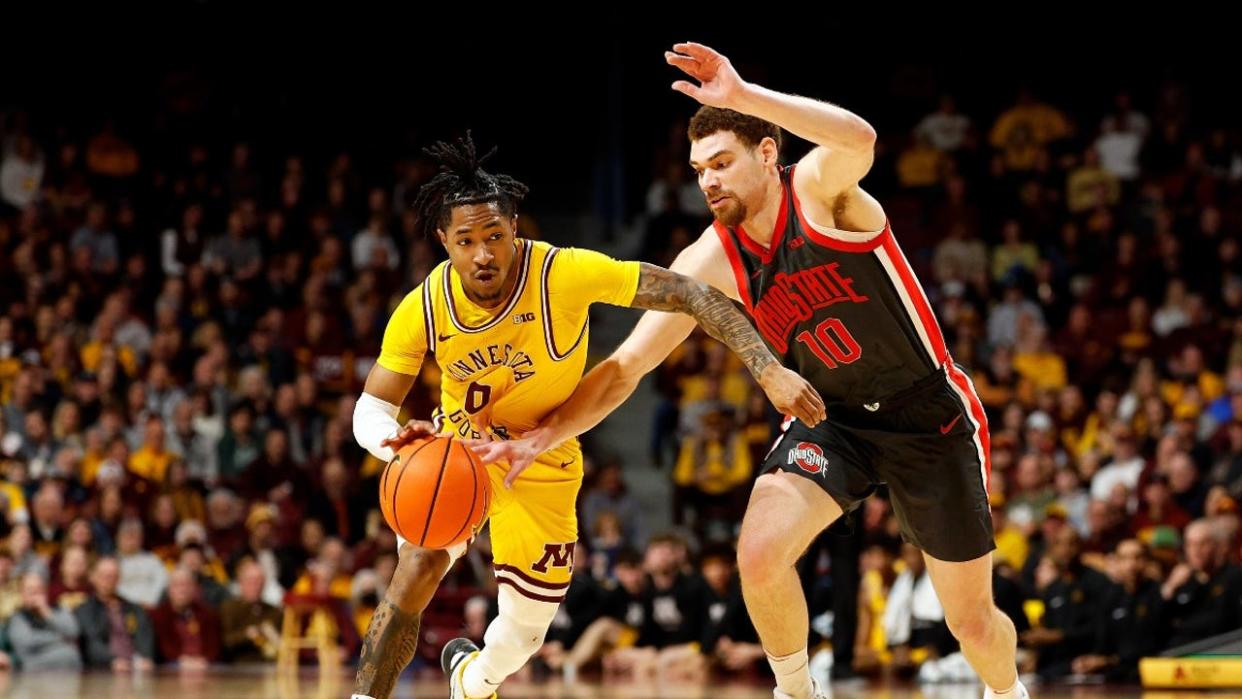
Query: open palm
<point x="719" y="84"/>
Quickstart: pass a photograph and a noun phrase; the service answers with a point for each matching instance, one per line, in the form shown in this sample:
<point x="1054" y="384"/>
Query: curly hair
<point x="748" y="129"/>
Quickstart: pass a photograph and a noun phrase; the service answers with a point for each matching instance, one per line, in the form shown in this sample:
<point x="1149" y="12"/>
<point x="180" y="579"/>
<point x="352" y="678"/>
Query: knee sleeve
<point x="511" y="639"/>
<point x="522" y="624"/>
<point x="525" y="611"/>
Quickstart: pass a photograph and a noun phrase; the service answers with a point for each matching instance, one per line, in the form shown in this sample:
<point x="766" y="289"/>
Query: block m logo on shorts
<point x="555" y="556"/>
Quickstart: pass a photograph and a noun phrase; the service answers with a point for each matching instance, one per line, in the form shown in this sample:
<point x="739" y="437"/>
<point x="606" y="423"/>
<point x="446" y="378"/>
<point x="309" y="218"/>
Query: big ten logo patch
<point x="519" y="318"/>
<point x="555" y="556"/>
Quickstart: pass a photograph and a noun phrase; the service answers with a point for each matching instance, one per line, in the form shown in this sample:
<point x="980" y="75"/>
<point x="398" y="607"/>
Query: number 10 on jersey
<point x="831" y="343"/>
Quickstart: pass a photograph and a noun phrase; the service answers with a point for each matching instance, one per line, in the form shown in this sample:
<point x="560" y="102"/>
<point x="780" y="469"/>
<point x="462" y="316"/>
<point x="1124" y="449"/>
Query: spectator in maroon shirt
<point x="186" y="630"/>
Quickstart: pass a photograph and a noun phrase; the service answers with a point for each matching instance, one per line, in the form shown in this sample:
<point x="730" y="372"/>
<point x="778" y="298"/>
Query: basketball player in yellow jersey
<point x="506" y="319"/>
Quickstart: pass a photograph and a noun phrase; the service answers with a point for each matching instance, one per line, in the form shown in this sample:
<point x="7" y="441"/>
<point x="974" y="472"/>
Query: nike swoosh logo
<point x="446" y="338"/>
<point x="944" y="429"/>
<point x="567" y="463"/>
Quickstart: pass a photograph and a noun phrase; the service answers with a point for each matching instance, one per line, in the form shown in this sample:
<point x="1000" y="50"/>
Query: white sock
<point x="507" y="647"/>
<point x="793" y="674"/>
<point x="360" y="696"/>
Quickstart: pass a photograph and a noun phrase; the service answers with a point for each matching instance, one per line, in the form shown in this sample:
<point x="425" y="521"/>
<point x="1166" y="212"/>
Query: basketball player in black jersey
<point x="811" y="256"/>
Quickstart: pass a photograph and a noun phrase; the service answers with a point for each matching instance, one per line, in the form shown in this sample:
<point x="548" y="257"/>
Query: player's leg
<point x="534" y="534"/>
<point x="786" y="512"/>
<point x="937" y="472"/>
<point x="512" y="639"/>
<point x="810" y="476"/>
<point x="987" y="636"/>
<point x="392" y="635"/>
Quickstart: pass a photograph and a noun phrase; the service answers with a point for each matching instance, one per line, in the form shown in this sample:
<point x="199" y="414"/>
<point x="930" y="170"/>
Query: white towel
<point x="909" y="599"/>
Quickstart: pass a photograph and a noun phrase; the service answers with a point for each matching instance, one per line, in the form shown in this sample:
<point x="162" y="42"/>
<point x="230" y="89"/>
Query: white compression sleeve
<point x="374" y="421"/>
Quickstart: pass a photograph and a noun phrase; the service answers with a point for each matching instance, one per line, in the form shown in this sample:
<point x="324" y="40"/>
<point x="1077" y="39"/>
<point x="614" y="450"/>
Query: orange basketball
<point x="435" y="493"/>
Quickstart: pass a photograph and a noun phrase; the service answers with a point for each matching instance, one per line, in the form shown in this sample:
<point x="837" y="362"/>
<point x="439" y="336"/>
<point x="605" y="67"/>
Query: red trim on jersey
<point x="735" y="261"/>
<point x="778" y="231"/>
<point x="834" y="243"/>
<point x="915" y="291"/>
<point x="979" y="416"/>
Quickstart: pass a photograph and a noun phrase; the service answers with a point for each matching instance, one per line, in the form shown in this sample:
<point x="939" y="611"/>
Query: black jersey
<point x="842" y="309"/>
<point x="846" y="312"/>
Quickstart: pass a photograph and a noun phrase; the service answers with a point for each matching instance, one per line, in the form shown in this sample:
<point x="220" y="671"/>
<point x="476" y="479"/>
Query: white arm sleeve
<point x="374" y="421"/>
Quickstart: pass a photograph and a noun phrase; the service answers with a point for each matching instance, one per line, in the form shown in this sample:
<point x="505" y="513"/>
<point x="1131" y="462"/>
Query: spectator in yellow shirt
<point x="1012" y="545"/>
<point x="1045" y="122"/>
<point x="101" y="346"/>
<point x="1090" y="185"/>
<point x="920" y="166"/>
<point x="152" y="459"/>
<point x="1034" y="359"/>
<point x="712" y="470"/>
<point x="1013" y="252"/>
<point x="716" y="461"/>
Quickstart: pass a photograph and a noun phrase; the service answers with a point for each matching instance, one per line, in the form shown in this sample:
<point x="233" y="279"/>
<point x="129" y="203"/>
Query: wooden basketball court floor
<point x="239" y="683"/>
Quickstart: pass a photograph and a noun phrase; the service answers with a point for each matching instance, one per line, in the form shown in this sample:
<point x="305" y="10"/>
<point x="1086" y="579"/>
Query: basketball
<point x="435" y="493"/>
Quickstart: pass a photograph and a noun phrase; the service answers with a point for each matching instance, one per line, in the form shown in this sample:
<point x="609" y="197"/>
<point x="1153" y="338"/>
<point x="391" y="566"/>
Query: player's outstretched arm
<point x="686" y="289"/>
<point x="660" y="289"/>
<point x="846" y="142"/>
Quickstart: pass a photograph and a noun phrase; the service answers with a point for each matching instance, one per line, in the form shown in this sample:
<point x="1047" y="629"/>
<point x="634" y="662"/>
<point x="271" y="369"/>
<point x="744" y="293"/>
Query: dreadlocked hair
<point x="463" y="181"/>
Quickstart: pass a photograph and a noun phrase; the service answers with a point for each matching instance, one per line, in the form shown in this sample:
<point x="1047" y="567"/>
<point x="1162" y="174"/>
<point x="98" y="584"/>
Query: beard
<point x="731" y="213"/>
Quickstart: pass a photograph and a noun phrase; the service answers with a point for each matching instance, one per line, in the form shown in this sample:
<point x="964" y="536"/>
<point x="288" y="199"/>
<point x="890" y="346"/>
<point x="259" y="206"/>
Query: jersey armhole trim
<point x="835" y="238"/>
<point x="546" y="308"/>
<point x="429" y="321"/>
<point x="735" y="261"/>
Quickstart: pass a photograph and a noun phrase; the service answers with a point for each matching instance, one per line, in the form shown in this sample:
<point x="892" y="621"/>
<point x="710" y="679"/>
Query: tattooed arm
<point x="660" y="289"/>
<point x="690" y="289"/>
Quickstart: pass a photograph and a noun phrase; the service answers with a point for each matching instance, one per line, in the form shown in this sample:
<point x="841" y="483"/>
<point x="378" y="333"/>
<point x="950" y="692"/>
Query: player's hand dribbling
<point x="793" y="395"/>
<point x="720" y="86"/>
<point x="413" y="431"/>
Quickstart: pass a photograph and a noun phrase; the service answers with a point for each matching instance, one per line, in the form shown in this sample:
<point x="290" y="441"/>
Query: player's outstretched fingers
<point x="487" y="451"/>
<point x="689" y="65"/>
<point x="698" y="52"/>
<point x="515" y="470"/>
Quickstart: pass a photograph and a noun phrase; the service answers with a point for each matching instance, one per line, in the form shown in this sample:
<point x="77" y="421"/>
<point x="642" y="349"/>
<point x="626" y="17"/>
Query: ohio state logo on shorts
<point x="809" y="457"/>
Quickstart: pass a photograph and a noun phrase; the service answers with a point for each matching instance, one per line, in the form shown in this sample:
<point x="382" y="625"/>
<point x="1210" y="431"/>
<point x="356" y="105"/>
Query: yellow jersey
<point x="504" y="369"/>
